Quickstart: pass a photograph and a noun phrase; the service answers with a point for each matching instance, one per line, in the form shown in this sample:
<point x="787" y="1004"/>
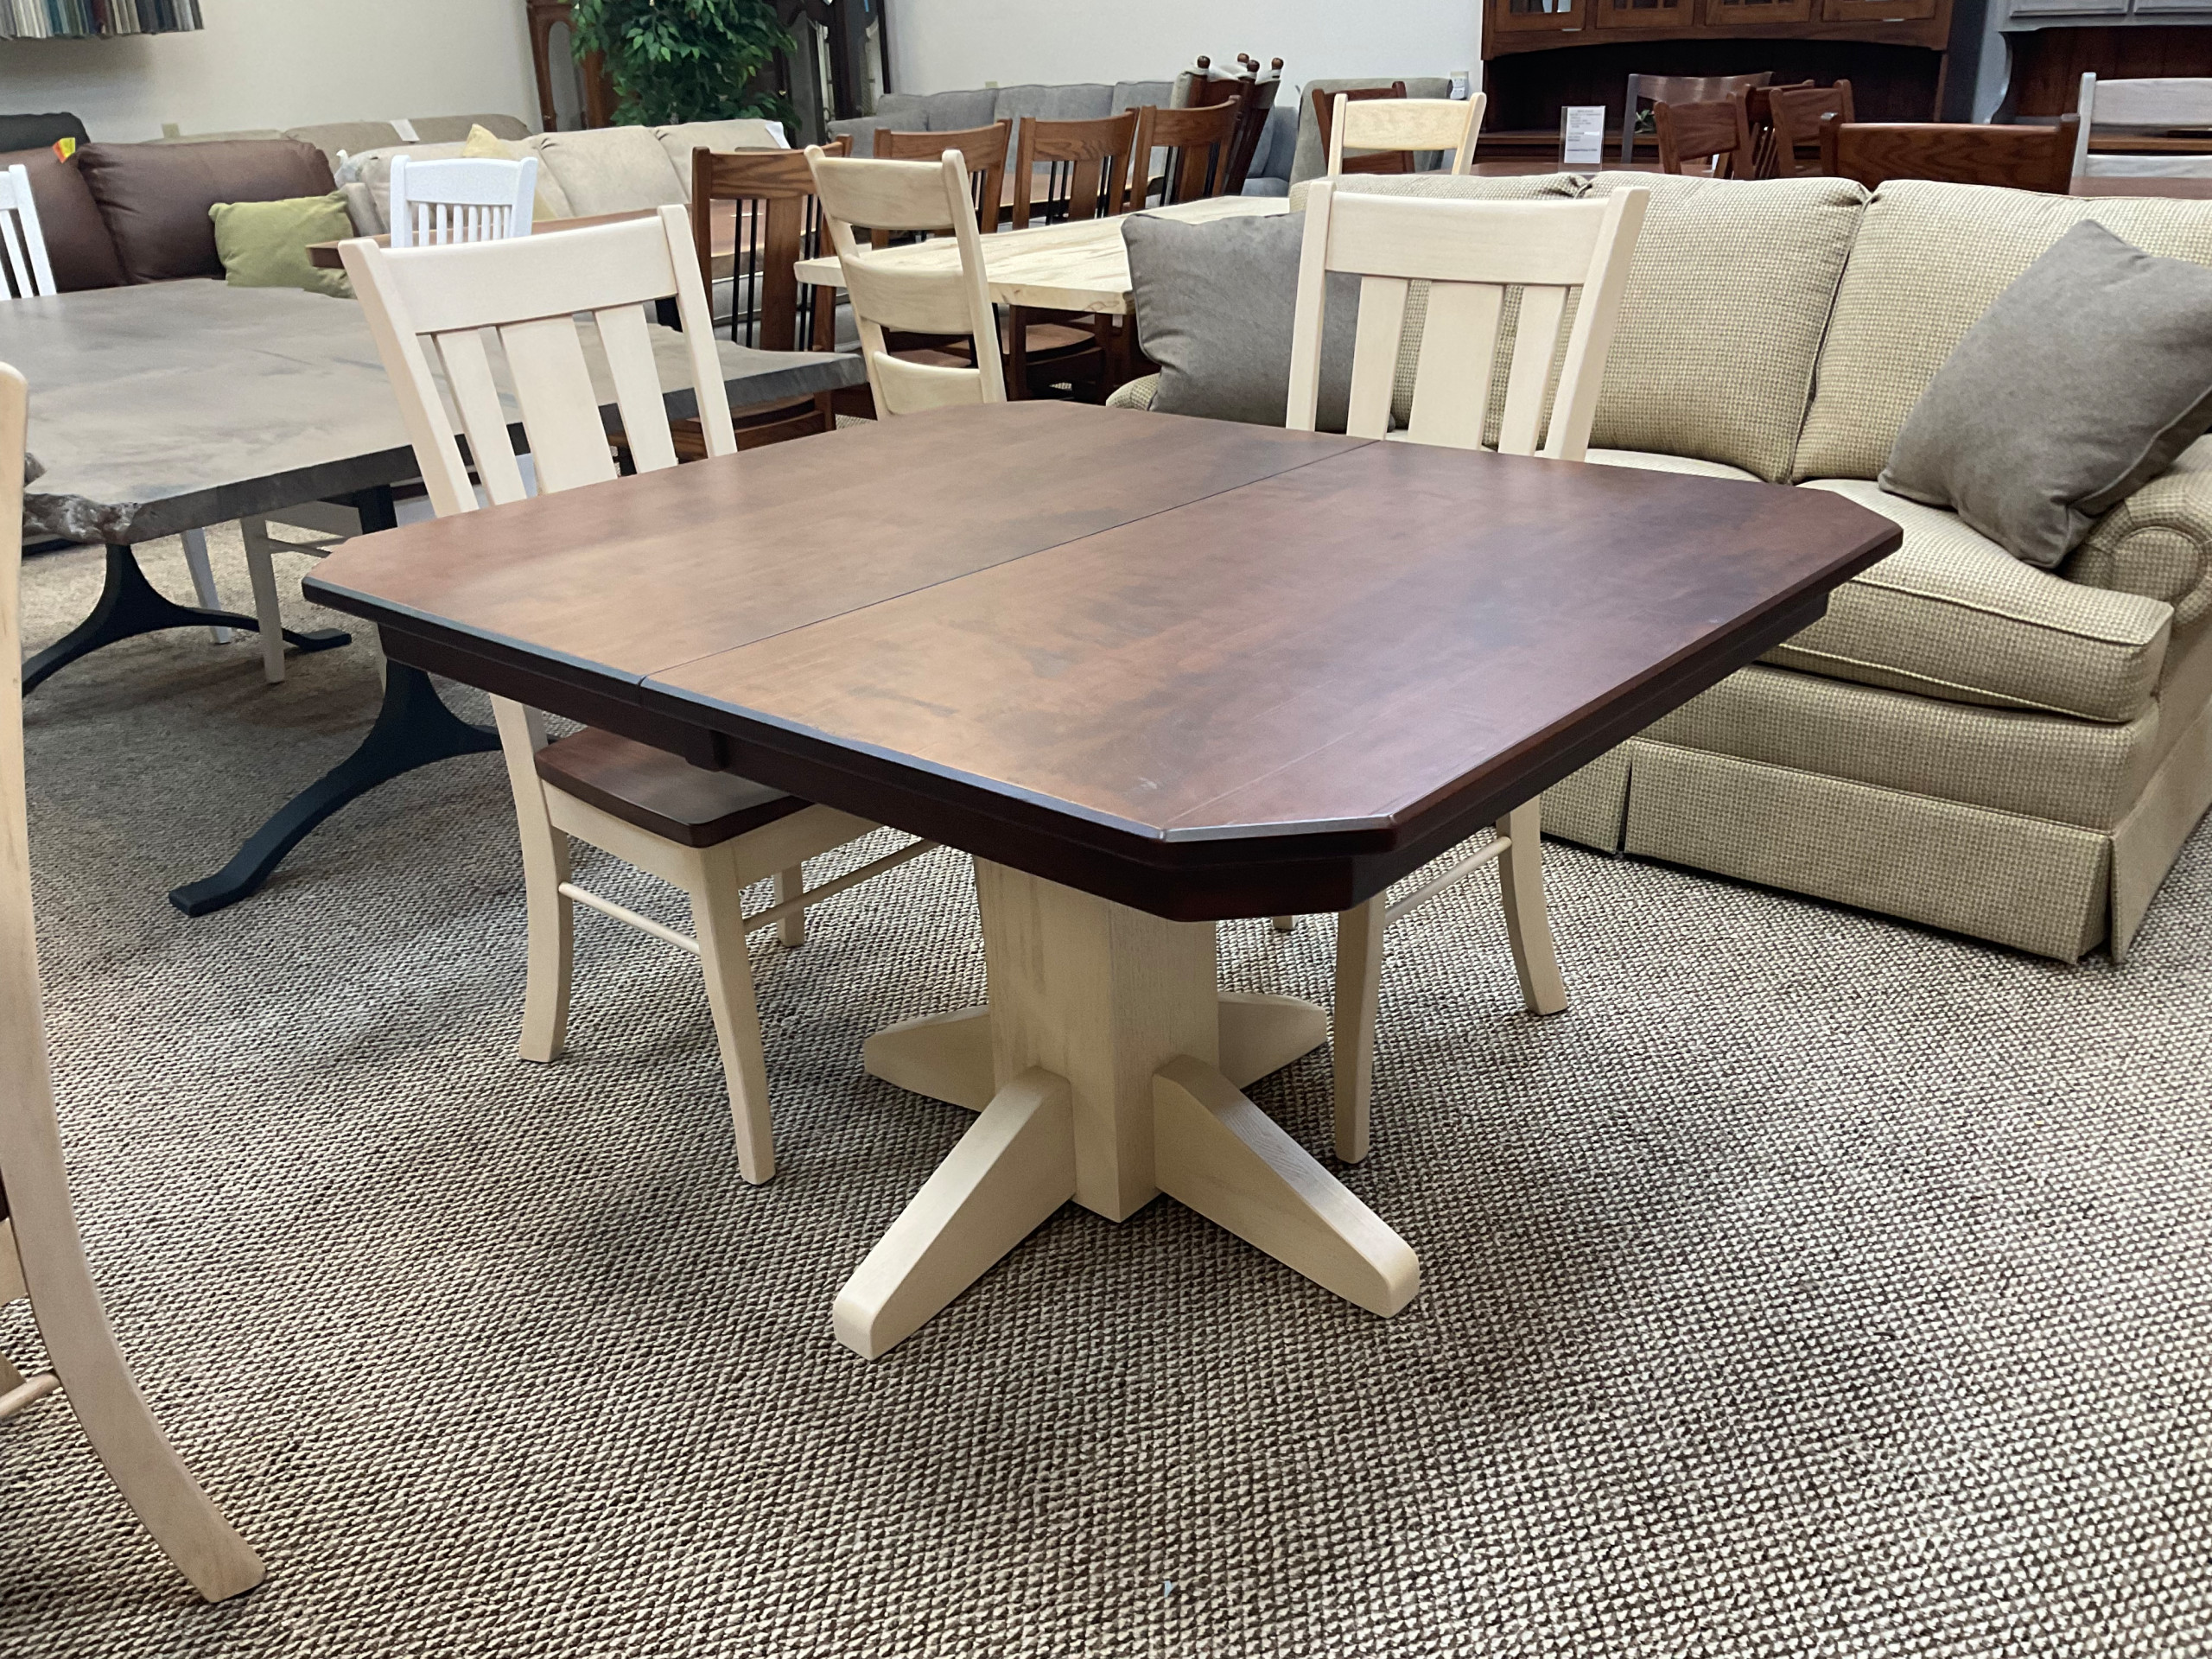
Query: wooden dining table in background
<point x="1217" y="670"/>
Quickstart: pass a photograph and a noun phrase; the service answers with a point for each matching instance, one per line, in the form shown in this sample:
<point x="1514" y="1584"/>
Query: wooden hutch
<point x="1540" y="55"/>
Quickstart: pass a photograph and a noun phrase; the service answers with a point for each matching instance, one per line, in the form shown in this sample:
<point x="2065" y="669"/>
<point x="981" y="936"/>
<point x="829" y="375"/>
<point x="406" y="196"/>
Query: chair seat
<point x="659" y="793"/>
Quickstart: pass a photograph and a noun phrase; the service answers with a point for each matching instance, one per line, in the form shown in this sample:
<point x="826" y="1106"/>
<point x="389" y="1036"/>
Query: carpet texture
<point x="1816" y="1286"/>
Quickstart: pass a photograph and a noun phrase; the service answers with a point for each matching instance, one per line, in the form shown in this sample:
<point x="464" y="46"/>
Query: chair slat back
<point x="1409" y="125"/>
<point x="462" y="199"/>
<point x="985" y="150"/>
<point x="533" y="297"/>
<point x="778" y="223"/>
<point x="1254" y="94"/>
<point x="2022" y="158"/>
<point x="1087" y="166"/>
<point x="1717" y="133"/>
<point x="1324" y="117"/>
<point x="1797" y="113"/>
<point x="1680" y="89"/>
<point x="24" y="270"/>
<point x="896" y="196"/>
<point x="1199" y="142"/>
<point x="2155" y="103"/>
<point x="1470" y="253"/>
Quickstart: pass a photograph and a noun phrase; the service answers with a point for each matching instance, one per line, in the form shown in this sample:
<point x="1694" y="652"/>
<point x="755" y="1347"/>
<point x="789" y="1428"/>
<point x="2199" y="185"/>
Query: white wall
<point x="284" y="63"/>
<point x="940" y="45"/>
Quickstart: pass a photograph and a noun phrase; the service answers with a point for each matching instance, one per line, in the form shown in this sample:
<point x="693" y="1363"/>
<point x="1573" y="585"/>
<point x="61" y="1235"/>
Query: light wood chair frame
<point x="42" y="1252"/>
<point x="1409" y="125"/>
<point x="25" y="272"/>
<point x="1470" y="253"/>
<point x="2150" y="104"/>
<point x="531" y="294"/>
<point x="896" y="196"/>
<point x="461" y="199"/>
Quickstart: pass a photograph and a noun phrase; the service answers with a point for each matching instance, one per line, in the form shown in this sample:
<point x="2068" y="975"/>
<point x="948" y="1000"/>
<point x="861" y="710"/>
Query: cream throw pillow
<point x="552" y="200"/>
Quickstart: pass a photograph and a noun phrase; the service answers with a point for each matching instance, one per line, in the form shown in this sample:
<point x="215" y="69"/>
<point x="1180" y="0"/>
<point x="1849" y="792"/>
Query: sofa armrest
<point x="1136" y="394"/>
<point x="2159" y="542"/>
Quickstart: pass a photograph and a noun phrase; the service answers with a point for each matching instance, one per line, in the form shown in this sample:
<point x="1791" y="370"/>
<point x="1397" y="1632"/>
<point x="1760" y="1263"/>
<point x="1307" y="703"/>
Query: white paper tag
<point x="1462" y="84"/>
<point x="1582" y="135"/>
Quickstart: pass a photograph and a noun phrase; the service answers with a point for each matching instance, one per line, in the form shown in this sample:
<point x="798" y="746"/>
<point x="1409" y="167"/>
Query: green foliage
<point x="675" y="61"/>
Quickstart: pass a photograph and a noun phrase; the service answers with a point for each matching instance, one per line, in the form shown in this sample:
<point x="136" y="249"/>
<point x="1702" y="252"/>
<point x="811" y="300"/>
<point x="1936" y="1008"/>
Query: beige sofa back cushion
<point x="1929" y="261"/>
<point x="1722" y="321"/>
<point x="611" y="170"/>
<point x="677" y="142"/>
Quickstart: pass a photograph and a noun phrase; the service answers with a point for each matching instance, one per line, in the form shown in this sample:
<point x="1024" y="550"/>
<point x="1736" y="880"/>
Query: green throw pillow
<point x="264" y="244"/>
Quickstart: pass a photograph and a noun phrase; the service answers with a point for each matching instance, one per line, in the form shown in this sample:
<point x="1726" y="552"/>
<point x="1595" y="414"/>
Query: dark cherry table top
<point x="1204" y="669"/>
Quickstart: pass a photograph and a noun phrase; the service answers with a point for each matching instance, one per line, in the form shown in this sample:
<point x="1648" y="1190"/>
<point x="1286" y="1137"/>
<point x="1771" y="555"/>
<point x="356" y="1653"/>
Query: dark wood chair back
<point x="1254" y="94"/>
<point x="1325" y="112"/>
<point x="1719" y="131"/>
<point x="985" y="150"/>
<point x="2022" y="158"/>
<point x="1678" y="90"/>
<point x="1795" y="115"/>
<point x="1086" y="169"/>
<point x="778" y="223"/>
<point x="1758" y="110"/>
<point x="1200" y="142"/>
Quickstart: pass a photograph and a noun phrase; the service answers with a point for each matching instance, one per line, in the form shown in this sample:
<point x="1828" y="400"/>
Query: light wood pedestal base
<point x="1107" y="1070"/>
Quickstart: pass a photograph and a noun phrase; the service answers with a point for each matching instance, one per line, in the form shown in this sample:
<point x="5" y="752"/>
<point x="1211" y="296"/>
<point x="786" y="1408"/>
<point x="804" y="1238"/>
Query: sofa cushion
<point x="2081" y="384"/>
<point x="548" y="200"/>
<point x="1928" y="260"/>
<point x="155" y="198"/>
<point x="40" y="132"/>
<point x="1650" y="461"/>
<point x="337" y="139"/>
<point x="1952" y="615"/>
<point x="611" y="170"/>
<point x="679" y="142"/>
<point x="1309" y="160"/>
<point x="1141" y="94"/>
<point x="453" y="128"/>
<point x="1721" y="322"/>
<point x="77" y="243"/>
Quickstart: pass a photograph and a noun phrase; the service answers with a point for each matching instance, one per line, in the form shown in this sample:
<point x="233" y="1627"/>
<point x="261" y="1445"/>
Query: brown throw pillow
<point x="155" y="197"/>
<point x="2080" y="384"/>
<point x="77" y="241"/>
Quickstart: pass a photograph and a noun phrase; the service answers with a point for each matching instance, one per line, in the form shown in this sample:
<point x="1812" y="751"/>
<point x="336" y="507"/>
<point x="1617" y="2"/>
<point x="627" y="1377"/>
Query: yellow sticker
<point x="64" y="149"/>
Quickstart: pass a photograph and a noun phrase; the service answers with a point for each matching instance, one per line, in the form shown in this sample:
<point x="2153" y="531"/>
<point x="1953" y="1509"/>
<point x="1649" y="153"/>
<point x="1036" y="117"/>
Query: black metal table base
<point x="129" y="606"/>
<point x="413" y="729"/>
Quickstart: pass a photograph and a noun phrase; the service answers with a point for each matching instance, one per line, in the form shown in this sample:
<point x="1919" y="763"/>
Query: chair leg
<point x="1528" y="927"/>
<point x="789" y="885"/>
<point x="1351" y="1042"/>
<point x="544" y="868"/>
<point x="261" y="566"/>
<point x="203" y="580"/>
<point x="718" y="918"/>
<point x="1285" y="924"/>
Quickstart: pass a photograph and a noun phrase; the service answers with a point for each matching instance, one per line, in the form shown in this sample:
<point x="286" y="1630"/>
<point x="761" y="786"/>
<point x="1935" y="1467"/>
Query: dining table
<point x="165" y="408"/>
<point x="1215" y="671"/>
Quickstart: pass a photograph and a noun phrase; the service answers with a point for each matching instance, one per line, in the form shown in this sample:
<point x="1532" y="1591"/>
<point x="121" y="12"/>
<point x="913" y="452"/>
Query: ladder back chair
<point x="1794" y="115"/>
<point x="1407" y="126"/>
<point x="2020" y="158"/>
<point x="25" y="272"/>
<point x="42" y="1253"/>
<point x="779" y="224"/>
<point x="1200" y="143"/>
<point x="462" y="199"/>
<point x="2170" y="114"/>
<point x="1678" y="89"/>
<point x="1253" y="91"/>
<point x="985" y="149"/>
<point x="1470" y="253"/>
<point x="711" y="834"/>
<point x="1324" y="117"/>
<point x="1086" y="169"/>
<point x="898" y="196"/>
<point x="1718" y="134"/>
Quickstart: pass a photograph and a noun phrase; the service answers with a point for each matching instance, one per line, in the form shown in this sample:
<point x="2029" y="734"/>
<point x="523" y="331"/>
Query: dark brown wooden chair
<point x="985" y="149"/>
<point x="1064" y="171"/>
<point x="2021" y="158"/>
<point x="1254" y="94"/>
<point x="1794" y="116"/>
<point x="778" y="223"/>
<point x="1200" y="142"/>
<point x="1718" y="132"/>
<point x="1680" y="89"/>
<point x="1325" y="113"/>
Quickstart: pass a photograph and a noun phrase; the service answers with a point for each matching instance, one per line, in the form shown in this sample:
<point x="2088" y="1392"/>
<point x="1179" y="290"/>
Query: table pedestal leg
<point x="129" y="606"/>
<point x="1105" y="1038"/>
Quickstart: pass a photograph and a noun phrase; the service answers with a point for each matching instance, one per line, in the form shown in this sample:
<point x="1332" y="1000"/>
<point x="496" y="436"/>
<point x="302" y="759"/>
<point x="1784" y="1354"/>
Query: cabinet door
<point x="1558" y="16"/>
<point x="1877" y="11"/>
<point x="1643" y="14"/>
<point x="1736" y="14"/>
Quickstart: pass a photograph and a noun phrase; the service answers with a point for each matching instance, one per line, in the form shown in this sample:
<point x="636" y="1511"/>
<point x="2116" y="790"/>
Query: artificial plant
<point x="677" y="61"/>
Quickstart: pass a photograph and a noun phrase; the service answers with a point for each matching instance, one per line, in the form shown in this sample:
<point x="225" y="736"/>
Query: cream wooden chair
<point x="898" y="196"/>
<point x="708" y="833"/>
<point x="42" y="1255"/>
<point x="1470" y="253"/>
<point x="2160" y="106"/>
<point x="1413" y="125"/>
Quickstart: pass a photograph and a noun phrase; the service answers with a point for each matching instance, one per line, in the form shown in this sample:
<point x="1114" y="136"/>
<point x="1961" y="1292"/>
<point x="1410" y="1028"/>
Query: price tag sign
<point x="1582" y="135"/>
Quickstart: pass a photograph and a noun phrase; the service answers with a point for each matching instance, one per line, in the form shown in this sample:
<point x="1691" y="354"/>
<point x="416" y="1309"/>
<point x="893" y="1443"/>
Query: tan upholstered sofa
<point x="1964" y="740"/>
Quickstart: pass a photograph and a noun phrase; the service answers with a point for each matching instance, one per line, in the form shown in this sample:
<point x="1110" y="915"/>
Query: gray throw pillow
<point x="2081" y="383"/>
<point x="1214" y="303"/>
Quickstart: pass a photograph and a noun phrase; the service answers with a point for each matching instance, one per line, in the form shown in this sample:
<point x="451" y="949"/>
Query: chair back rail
<point x="1408" y="126"/>
<point x="1795" y="113"/>
<point x="779" y="224"/>
<point x="531" y="294"/>
<point x="1200" y="143"/>
<point x="2020" y="158"/>
<point x="2161" y="103"/>
<point x="24" y="269"/>
<point x="1087" y="166"/>
<point x="896" y="196"/>
<point x="1718" y="133"/>
<point x="1324" y="117"/>
<point x="985" y="150"/>
<point x="461" y="199"/>
<point x="1470" y="253"/>
<point x="1680" y="89"/>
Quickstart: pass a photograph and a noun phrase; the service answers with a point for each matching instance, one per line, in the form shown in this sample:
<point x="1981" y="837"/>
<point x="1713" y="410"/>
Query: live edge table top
<point x="1201" y="669"/>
